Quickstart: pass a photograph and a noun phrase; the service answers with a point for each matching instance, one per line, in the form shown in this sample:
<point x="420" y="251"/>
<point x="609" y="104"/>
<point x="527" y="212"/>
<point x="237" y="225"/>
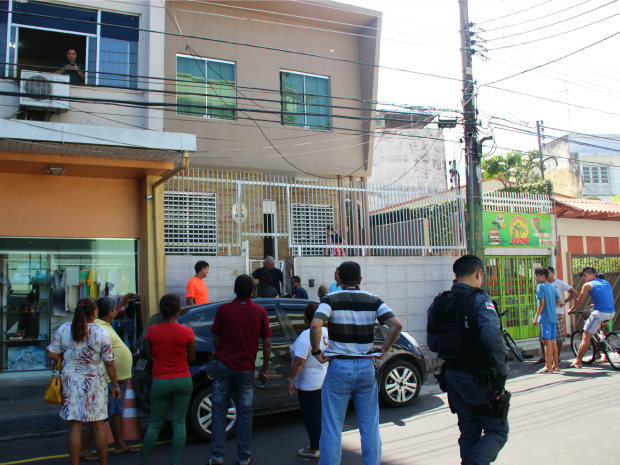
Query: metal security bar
<point x="190" y="223"/>
<point x="516" y="202"/>
<point x="285" y="216"/>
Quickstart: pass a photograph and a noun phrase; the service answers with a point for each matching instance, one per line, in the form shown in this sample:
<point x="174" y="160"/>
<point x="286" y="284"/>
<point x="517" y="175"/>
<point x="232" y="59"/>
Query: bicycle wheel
<point x="612" y="348"/>
<point x="513" y="347"/>
<point x="575" y="342"/>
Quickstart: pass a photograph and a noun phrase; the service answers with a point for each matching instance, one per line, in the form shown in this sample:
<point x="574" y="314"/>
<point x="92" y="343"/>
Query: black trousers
<point x="310" y="404"/>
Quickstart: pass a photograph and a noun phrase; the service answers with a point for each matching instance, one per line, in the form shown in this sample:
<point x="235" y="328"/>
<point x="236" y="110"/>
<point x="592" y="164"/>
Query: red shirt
<point x="240" y="323"/>
<point x="169" y="341"/>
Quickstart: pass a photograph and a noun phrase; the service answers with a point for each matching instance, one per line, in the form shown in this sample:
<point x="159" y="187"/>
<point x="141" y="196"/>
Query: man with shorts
<point x="548" y="299"/>
<point x="561" y="287"/>
<point x="603" y="297"/>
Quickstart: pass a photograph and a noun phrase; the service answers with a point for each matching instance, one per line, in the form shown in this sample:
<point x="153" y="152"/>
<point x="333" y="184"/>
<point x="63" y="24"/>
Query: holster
<point x="441" y="378"/>
<point x="497" y="408"/>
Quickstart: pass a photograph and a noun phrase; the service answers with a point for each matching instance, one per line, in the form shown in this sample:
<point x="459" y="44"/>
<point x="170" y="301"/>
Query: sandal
<point x="211" y="462"/>
<point x="544" y="371"/>
<point x="89" y="458"/>
<point x="305" y="452"/>
<point x="540" y="361"/>
<point x="572" y="365"/>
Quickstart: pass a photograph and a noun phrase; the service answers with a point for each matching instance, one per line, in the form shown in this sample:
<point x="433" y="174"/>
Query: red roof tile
<point x="586" y="205"/>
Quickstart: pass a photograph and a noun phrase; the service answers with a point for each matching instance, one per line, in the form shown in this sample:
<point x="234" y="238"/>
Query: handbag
<point x="53" y="393"/>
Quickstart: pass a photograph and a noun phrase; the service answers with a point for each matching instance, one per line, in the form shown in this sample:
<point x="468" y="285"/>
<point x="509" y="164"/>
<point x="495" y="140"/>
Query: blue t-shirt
<point x="602" y="295"/>
<point x="333" y="287"/>
<point x="550" y="294"/>
<point x="300" y="293"/>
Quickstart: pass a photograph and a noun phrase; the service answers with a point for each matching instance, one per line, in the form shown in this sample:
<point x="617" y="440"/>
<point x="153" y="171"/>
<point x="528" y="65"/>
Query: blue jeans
<point x="225" y="381"/>
<point x="465" y="396"/>
<point x="345" y="379"/>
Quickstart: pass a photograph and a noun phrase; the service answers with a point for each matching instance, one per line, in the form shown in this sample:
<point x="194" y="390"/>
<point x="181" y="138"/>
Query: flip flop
<point x="572" y="365"/>
<point x="211" y="462"/>
<point x="89" y="458"/>
<point x="131" y="450"/>
<point x="544" y="371"/>
<point x="540" y="361"/>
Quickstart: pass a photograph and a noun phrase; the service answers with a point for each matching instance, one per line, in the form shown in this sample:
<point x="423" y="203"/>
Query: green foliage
<point x="615" y="199"/>
<point x="518" y="172"/>
<point x="593" y="198"/>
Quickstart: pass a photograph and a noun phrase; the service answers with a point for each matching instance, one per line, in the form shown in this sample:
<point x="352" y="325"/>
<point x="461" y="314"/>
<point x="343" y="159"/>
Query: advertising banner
<point x="503" y="229"/>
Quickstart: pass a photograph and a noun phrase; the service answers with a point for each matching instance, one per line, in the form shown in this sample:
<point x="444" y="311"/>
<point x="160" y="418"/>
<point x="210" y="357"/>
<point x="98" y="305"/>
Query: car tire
<point x="199" y="415"/>
<point x="400" y="384"/>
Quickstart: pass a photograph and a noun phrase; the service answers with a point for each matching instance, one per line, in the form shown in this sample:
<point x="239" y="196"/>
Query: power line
<point x="536" y="19"/>
<point x="553" y="24"/>
<point x="555" y="35"/>
<point x="553" y="61"/>
<point x="515" y="13"/>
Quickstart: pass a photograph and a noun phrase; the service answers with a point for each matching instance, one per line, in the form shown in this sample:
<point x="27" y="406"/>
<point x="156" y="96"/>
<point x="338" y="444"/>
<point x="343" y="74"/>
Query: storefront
<point x="515" y="245"/>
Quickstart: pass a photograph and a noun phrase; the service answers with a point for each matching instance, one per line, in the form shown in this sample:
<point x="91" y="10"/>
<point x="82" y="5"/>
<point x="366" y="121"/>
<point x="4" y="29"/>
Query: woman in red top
<point x="171" y="347"/>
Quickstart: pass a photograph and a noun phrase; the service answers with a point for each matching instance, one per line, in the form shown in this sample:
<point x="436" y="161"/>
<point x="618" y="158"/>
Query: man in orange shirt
<point x="197" y="292"/>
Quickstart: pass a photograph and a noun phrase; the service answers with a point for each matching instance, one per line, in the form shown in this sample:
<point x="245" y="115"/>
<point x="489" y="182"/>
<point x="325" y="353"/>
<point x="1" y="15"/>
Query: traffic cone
<point x="131" y="423"/>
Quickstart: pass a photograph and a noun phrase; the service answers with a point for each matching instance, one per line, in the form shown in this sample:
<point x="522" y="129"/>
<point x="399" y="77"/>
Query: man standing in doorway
<point x="71" y="67"/>
<point x="561" y="287"/>
<point x="351" y="314"/>
<point x="237" y="328"/>
<point x="197" y="292"/>
<point x="276" y="274"/>
<point x="298" y="291"/>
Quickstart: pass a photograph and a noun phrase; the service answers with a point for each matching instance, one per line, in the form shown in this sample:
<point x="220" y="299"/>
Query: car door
<point x="274" y="392"/>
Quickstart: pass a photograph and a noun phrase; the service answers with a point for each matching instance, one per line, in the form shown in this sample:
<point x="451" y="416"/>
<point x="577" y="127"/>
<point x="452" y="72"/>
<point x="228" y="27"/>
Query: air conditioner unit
<point x="39" y="85"/>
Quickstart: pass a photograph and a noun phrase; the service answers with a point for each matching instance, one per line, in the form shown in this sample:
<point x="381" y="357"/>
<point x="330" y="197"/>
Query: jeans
<point x="177" y="391"/>
<point x="350" y="378"/>
<point x="465" y="395"/>
<point x="225" y="381"/>
<point x="310" y="405"/>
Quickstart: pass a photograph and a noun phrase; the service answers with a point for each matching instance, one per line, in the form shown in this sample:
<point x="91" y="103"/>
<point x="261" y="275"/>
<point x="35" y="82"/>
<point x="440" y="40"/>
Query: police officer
<point x="463" y="328"/>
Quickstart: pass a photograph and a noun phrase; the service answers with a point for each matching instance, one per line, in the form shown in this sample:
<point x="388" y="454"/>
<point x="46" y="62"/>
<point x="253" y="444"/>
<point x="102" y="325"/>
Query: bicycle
<point x="608" y="345"/>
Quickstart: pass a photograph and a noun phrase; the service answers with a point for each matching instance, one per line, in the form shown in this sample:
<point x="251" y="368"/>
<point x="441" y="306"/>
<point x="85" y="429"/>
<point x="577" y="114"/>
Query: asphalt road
<point x="568" y="418"/>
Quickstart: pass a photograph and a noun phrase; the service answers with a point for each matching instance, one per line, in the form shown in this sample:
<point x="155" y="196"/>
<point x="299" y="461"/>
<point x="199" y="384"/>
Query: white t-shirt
<point x="560" y="286"/>
<point x="313" y="372"/>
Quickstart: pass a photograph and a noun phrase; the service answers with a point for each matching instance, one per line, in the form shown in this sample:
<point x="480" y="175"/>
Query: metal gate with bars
<point x="511" y="282"/>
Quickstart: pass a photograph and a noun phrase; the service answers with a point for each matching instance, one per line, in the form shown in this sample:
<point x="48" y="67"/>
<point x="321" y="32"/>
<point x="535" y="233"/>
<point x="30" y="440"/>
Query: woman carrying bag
<point x="87" y="351"/>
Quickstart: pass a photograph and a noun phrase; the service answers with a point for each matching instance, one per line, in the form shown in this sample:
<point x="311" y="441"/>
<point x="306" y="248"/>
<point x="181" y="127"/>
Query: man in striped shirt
<point x="350" y="315"/>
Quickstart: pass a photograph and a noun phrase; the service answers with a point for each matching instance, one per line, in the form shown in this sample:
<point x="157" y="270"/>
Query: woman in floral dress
<point x="87" y="351"/>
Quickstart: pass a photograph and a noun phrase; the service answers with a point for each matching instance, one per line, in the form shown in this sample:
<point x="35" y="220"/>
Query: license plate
<point x="141" y="365"/>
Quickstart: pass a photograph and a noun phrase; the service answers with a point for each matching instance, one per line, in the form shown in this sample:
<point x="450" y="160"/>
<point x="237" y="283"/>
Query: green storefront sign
<point x="503" y="229"/>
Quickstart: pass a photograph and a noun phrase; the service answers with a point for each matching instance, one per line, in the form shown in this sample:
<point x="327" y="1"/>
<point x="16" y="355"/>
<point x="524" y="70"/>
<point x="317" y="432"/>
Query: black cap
<point x="467" y="258"/>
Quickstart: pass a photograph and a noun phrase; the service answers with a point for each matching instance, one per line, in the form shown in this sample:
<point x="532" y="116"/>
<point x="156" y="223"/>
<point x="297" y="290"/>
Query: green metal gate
<point x="511" y="282"/>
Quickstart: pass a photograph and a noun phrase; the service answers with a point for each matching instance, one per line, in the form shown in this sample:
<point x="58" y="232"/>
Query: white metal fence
<point x="214" y="212"/>
<point x="516" y="202"/>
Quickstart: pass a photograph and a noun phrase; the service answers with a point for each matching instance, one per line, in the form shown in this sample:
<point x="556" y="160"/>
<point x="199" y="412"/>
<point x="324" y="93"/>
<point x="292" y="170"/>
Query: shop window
<point x="310" y="224"/>
<point x="190" y="223"/>
<point x="41" y="283"/>
<point x="305" y="100"/>
<point x="40" y="34"/>
<point x="208" y="86"/>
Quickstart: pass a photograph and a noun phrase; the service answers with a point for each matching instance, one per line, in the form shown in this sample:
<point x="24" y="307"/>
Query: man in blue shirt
<point x="604" y="310"/>
<point x="336" y="285"/>
<point x="548" y="299"/>
<point x="298" y="291"/>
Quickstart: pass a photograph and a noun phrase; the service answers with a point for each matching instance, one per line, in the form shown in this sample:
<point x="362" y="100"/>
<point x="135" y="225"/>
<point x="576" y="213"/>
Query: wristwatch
<point x="289" y="380"/>
<point x="316" y="353"/>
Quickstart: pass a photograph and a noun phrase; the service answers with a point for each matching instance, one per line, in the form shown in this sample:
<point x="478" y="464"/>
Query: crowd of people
<point x="331" y="361"/>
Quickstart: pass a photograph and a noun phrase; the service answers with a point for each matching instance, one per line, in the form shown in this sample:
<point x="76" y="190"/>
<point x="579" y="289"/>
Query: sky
<point x="423" y="36"/>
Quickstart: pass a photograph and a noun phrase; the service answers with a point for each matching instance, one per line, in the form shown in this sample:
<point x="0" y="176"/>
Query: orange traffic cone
<point x="131" y="423"/>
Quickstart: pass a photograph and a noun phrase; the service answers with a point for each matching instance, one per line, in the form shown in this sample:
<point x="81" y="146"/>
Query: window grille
<point x="595" y="178"/>
<point x="604" y="175"/>
<point x="190" y="223"/>
<point x="309" y="227"/>
<point x="586" y="174"/>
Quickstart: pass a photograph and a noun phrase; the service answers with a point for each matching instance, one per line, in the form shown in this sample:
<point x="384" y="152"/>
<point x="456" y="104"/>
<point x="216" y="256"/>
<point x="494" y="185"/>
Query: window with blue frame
<point x="40" y="33"/>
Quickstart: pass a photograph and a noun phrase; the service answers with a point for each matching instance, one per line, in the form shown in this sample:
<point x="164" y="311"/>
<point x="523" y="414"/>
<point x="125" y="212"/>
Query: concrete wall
<point x="610" y="160"/>
<point x="407" y="285"/>
<point x="566" y="176"/>
<point x="239" y="145"/>
<point x="394" y="156"/>
<point x="220" y="280"/>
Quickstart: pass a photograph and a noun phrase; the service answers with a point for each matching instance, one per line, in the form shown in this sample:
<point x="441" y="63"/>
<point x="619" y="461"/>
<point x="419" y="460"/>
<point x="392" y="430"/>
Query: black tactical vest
<point x="456" y="329"/>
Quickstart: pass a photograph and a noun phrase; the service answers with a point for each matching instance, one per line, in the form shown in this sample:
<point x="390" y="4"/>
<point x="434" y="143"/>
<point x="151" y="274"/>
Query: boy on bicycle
<point x="548" y="299"/>
<point x="603" y="297"/>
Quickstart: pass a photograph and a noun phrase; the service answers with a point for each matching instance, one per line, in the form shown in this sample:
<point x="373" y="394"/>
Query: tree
<point x="615" y="199"/>
<point x="518" y="172"/>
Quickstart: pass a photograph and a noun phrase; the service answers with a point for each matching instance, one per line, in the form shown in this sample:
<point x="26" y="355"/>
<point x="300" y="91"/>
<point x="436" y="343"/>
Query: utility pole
<point x="475" y="232"/>
<point x="538" y="131"/>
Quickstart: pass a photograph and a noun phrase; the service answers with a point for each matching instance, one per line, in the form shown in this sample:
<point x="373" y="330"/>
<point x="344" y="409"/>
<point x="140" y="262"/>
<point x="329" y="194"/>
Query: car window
<point x="297" y="320"/>
<point x="155" y="319"/>
<point x="201" y="322"/>
<point x="276" y="328"/>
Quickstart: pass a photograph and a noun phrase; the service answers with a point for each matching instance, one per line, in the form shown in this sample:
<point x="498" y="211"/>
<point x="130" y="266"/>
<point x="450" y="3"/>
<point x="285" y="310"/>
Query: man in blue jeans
<point x="351" y="314"/>
<point x="237" y="328"/>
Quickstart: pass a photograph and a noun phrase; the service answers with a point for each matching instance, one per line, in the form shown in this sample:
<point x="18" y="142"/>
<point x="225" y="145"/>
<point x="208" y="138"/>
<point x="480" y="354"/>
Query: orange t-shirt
<point x="197" y="289"/>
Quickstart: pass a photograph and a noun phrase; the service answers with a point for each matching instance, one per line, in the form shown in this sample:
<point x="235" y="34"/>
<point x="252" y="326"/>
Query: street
<point x="568" y="418"/>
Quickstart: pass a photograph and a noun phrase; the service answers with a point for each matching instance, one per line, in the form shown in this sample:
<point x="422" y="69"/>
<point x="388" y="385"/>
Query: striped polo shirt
<point x="351" y="315"/>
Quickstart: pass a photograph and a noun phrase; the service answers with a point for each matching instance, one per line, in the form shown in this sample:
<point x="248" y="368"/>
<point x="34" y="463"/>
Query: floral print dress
<point x="84" y="387"/>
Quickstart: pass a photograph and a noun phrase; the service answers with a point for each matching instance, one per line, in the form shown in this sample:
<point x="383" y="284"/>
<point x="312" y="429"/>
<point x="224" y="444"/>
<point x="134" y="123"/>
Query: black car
<point x="401" y="374"/>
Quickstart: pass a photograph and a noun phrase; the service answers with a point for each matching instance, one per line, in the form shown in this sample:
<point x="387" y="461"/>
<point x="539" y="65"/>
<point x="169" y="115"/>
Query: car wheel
<point x="400" y="384"/>
<point x="200" y="415"/>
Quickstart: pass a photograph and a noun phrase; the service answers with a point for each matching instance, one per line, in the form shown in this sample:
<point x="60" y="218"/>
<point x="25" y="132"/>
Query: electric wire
<point x="515" y="13"/>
